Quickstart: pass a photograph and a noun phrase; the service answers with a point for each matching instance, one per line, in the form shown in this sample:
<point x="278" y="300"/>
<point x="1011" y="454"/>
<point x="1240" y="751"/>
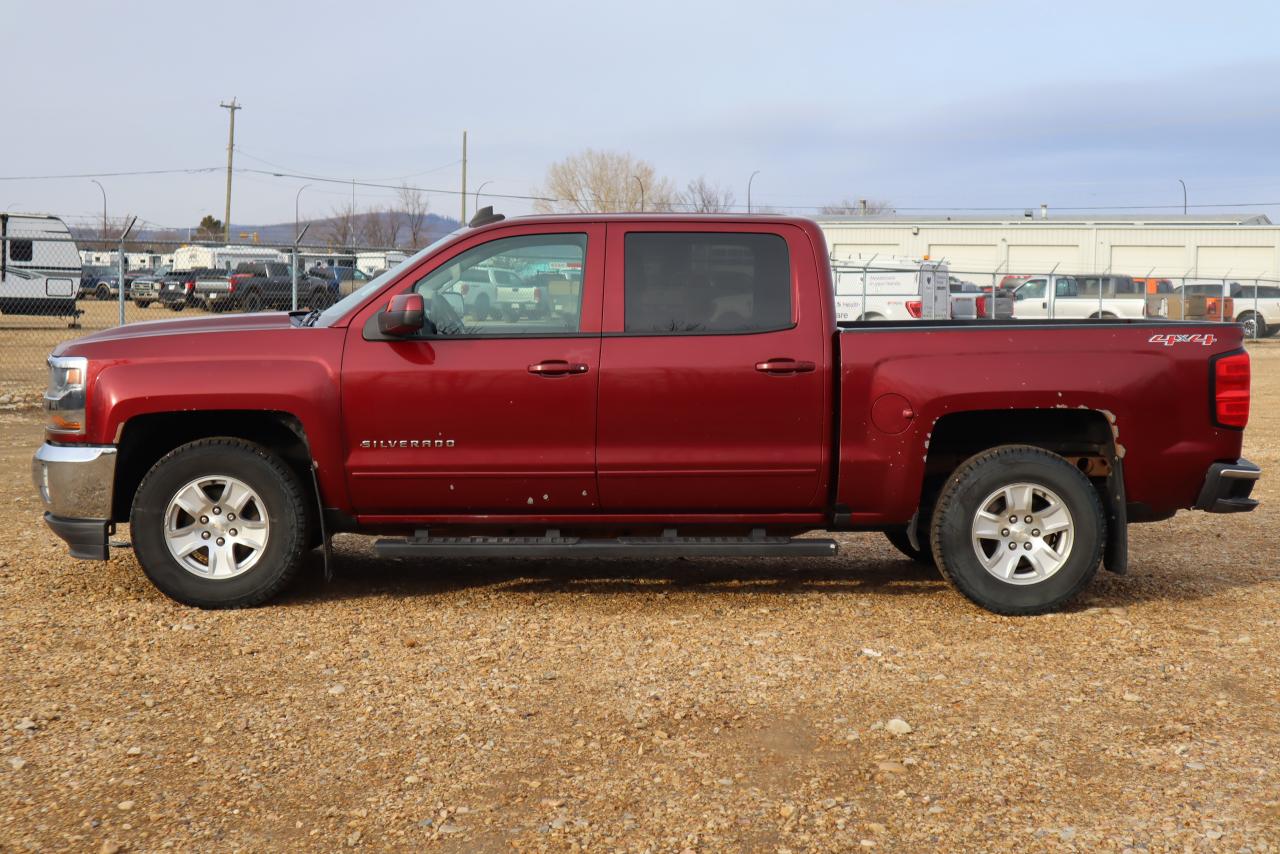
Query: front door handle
<point x="784" y="366"/>
<point x="557" y="368"/>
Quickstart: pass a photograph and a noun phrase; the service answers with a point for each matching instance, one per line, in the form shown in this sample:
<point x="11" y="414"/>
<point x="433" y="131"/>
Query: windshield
<point x="359" y="295"/>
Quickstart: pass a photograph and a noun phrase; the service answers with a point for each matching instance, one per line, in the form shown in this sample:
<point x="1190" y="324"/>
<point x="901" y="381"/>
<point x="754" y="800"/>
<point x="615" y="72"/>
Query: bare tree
<point x="341" y="227"/>
<point x="380" y="227"/>
<point x="413" y="210"/>
<point x="702" y="196"/>
<point x="602" y="182"/>
<point x="863" y="207"/>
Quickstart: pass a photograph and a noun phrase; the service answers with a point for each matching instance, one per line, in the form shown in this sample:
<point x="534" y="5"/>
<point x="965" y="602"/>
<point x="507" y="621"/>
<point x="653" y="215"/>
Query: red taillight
<point x="190" y="286"/>
<point x="980" y="306"/>
<point x="1231" y="390"/>
<point x="537" y="294"/>
<point x="915" y="308"/>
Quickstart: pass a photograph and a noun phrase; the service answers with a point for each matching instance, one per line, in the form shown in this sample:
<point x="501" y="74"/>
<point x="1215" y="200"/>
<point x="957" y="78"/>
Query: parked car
<point x="91" y="276"/>
<point x="145" y="287"/>
<point x="342" y="279"/>
<point x="971" y="301"/>
<point x="1257" y="309"/>
<point x="262" y="285"/>
<point x="701" y="401"/>
<point x="100" y="282"/>
<point x="498" y="293"/>
<point x="1096" y="297"/>
<point x="1199" y="301"/>
<point x="177" y="289"/>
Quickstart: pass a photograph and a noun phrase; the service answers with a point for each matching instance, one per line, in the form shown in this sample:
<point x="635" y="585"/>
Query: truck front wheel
<point x="1018" y="530"/>
<point x="900" y="541"/>
<point x="220" y="523"/>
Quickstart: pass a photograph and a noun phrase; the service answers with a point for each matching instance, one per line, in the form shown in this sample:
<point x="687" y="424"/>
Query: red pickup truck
<point x="687" y="392"/>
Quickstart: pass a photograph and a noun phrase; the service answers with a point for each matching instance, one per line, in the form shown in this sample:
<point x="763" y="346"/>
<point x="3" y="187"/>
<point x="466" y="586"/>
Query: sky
<point x="930" y="106"/>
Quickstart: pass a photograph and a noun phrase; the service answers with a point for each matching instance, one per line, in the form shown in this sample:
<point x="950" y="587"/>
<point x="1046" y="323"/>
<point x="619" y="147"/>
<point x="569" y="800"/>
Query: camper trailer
<point x="39" y="266"/>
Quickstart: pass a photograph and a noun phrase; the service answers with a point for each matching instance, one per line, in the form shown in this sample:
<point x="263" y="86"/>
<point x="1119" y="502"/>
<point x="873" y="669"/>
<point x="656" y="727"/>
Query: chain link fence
<point x="53" y="290"/>
<point x="894" y="292"/>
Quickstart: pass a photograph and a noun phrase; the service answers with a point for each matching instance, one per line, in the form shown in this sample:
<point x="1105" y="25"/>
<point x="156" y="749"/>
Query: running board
<point x="422" y="544"/>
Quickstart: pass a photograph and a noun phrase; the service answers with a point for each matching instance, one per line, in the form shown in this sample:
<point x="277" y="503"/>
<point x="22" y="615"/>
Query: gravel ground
<point x="662" y="706"/>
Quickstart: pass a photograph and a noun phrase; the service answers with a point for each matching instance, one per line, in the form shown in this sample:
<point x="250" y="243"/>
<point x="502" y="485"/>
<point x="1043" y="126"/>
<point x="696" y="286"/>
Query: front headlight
<point x="64" y="401"/>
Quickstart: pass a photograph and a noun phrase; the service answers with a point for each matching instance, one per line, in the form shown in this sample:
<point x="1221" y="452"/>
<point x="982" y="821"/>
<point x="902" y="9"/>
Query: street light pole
<point x="1184" y="196"/>
<point x="297" y="197"/>
<point x="478" y="189"/>
<point x="749" y="180"/>
<point x="641" y="183"/>
<point x="104" y="205"/>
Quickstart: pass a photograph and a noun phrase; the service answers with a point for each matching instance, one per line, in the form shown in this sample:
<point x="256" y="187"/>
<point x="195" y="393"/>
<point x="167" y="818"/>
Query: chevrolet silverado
<point x="692" y="394"/>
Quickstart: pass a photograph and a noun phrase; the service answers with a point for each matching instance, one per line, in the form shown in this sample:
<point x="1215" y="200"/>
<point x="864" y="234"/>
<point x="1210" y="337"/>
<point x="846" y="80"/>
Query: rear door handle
<point x="557" y="368"/>
<point x="784" y="366"/>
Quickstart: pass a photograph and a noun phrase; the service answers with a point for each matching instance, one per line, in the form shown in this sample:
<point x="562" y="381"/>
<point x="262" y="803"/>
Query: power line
<point x="455" y="162"/>
<point x="110" y="174"/>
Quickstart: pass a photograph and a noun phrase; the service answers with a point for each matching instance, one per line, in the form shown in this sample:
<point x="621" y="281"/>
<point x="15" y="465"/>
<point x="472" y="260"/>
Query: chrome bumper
<point x="75" y="482"/>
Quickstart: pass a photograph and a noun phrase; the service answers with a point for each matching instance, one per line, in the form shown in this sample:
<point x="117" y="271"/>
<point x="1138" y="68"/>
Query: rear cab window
<point x="705" y="283"/>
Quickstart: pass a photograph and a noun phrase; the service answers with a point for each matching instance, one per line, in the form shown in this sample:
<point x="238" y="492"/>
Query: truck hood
<point x="184" y="326"/>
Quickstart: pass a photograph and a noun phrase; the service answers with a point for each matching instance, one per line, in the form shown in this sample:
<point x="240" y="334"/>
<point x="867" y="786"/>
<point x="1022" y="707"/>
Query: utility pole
<point x="464" y="178"/>
<point x="231" y="148"/>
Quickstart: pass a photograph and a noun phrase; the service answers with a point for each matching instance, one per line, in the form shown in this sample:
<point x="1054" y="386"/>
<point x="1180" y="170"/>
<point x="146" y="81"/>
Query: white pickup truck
<point x="499" y="294"/>
<point x="1079" y="297"/>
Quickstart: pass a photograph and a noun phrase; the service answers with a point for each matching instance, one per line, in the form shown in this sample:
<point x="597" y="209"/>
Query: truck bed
<point x="930" y="389"/>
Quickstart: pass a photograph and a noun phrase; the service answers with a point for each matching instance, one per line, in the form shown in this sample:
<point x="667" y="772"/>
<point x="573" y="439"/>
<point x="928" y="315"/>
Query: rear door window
<point x="706" y="283"/>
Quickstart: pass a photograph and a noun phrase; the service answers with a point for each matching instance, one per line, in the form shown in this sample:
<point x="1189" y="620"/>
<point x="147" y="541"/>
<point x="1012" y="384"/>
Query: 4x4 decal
<point x="1168" y="340"/>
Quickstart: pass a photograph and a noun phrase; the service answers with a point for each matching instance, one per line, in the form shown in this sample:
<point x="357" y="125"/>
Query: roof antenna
<point x="485" y="216"/>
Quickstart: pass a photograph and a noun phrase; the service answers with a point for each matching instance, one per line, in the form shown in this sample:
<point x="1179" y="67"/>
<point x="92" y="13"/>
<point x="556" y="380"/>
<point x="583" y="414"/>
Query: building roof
<point x="1033" y="217"/>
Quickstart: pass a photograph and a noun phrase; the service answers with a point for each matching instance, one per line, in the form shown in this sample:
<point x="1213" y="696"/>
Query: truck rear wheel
<point x="220" y="523"/>
<point x="1018" y="530"/>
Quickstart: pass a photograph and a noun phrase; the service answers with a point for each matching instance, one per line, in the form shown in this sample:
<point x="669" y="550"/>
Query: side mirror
<point x="406" y="315"/>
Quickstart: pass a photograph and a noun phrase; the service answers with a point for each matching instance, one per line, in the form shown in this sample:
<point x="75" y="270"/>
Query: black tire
<point x="1106" y="315"/>
<point x="286" y="509"/>
<point x="141" y="303"/>
<point x="922" y="556"/>
<point x="177" y="306"/>
<point x="103" y="293"/>
<point x="253" y="301"/>
<point x="510" y="315"/>
<point x="1248" y="317"/>
<point x="960" y="500"/>
<point x="481" y="310"/>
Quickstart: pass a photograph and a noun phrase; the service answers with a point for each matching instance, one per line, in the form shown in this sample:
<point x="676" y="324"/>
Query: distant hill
<point x="320" y="233"/>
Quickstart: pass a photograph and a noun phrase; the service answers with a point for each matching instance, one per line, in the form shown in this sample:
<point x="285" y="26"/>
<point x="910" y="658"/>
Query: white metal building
<point x="1235" y="246"/>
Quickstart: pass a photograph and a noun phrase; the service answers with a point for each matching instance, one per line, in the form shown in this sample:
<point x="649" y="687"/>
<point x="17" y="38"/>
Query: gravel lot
<point x="617" y="705"/>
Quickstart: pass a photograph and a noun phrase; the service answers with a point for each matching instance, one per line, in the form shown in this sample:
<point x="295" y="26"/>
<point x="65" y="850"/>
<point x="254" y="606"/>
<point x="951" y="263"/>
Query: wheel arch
<point x="145" y="439"/>
<point x="1084" y="437"/>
